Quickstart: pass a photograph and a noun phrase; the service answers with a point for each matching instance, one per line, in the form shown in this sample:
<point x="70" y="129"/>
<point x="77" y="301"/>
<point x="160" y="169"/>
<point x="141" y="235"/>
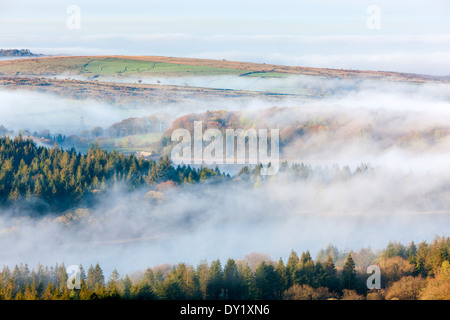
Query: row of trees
<point x="65" y="177"/>
<point x="86" y="137"/>
<point x="45" y="135"/>
<point x="16" y="53"/>
<point x="56" y="175"/>
<point x="307" y="171"/>
<point x="425" y="275"/>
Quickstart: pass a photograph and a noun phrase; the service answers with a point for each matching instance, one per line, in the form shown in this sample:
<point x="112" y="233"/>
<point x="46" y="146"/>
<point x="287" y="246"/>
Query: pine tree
<point x="231" y="280"/>
<point x="304" y="271"/>
<point x="112" y="285"/>
<point x="149" y="277"/>
<point x="202" y="274"/>
<point x="265" y="277"/>
<point x="173" y="287"/>
<point x="330" y="279"/>
<point x="99" y="279"/>
<point x="127" y="287"/>
<point x="306" y="257"/>
<point x="422" y="260"/>
<point x="215" y="282"/>
<point x="349" y="274"/>
<point x="10" y="292"/>
<point x="90" y="279"/>
<point x="142" y="291"/>
<point x="61" y="277"/>
<point x="30" y="292"/>
<point x="283" y="279"/>
<point x="291" y="266"/>
<point x="248" y="281"/>
<point x="191" y="285"/>
<point x="48" y="292"/>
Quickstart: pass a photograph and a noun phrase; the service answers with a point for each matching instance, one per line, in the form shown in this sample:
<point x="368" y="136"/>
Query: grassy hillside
<point x="168" y="66"/>
<point x="110" y="66"/>
<point x="107" y="66"/>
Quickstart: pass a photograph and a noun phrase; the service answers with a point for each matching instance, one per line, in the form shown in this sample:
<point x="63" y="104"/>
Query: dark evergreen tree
<point x="215" y="281"/>
<point x="232" y="281"/>
<point x="349" y="280"/>
<point x="248" y="282"/>
<point x="265" y="278"/>
<point x="283" y="279"/>
<point x="330" y="279"/>
<point x="291" y="266"/>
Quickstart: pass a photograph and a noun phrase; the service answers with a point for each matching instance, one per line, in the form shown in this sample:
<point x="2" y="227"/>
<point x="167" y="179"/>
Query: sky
<point x="405" y="36"/>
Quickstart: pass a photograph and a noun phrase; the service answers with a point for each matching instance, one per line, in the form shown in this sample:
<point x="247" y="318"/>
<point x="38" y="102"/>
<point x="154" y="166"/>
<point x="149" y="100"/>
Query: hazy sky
<point x="413" y="36"/>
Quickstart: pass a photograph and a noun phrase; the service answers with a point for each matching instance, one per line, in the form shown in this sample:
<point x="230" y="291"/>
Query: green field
<point x="111" y="66"/>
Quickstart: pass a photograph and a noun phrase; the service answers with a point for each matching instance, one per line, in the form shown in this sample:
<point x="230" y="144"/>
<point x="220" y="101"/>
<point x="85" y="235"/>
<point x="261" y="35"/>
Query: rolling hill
<point x="93" y="66"/>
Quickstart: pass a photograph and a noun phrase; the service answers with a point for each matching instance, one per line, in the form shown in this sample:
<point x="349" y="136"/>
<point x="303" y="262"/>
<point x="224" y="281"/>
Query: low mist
<point x="132" y="231"/>
<point x="400" y="130"/>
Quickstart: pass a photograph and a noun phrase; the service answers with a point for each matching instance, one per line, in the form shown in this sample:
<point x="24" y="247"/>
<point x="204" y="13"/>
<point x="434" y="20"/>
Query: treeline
<point x="412" y="272"/>
<point x="306" y="171"/>
<point x="64" y="177"/>
<point x="17" y="53"/>
<point x="55" y="175"/>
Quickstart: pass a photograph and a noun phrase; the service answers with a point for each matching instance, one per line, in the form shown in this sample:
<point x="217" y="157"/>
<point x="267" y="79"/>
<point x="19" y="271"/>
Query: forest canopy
<point x="64" y="177"/>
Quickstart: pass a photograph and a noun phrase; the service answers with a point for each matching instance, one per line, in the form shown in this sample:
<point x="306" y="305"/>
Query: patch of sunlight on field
<point x="110" y="66"/>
